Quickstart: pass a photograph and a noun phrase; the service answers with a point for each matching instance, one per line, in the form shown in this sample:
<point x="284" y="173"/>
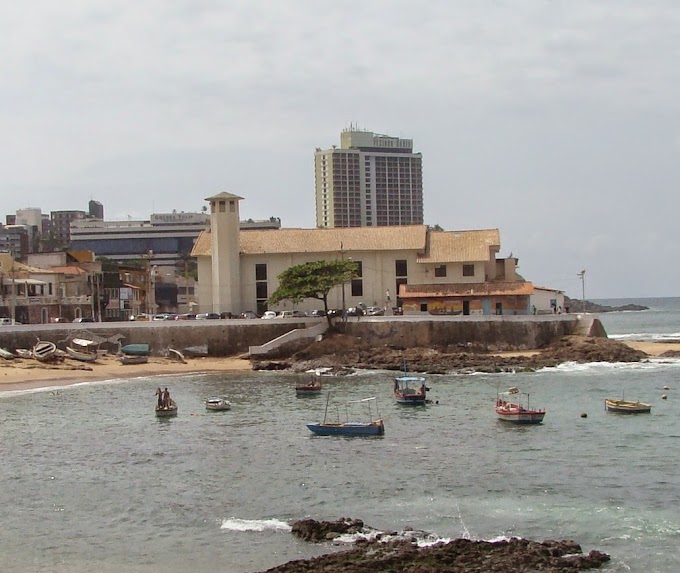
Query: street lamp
<point x="582" y="276"/>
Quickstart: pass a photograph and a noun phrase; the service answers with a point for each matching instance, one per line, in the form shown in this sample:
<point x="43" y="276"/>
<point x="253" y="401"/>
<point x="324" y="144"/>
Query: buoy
<point x="665" y="387"/>
<point x="584" y="415"/>
<point x="664" y="397"/>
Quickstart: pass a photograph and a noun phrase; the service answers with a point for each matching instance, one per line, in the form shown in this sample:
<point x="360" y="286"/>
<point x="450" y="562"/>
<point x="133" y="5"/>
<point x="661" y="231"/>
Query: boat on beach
<point x="133" y="359"/>
<point x="513" y="406"/>
<point x="410" y="390"/>
<point x="217" y="404"/>
<point x="373" y="427"/>
<point x="167" y="411"/>
<point x="138" y="349"/>
<point x="82" y="350"/>
<point x="311" y="388"/>
<point x="6" y="354"/>
<point x="44" y="350"/>
<point x="626" y="406"/>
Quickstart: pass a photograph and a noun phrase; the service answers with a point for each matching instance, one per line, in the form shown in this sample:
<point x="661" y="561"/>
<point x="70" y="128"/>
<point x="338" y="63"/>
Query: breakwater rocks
<point x="339" y="350"/>
<point x="458" y="556"/>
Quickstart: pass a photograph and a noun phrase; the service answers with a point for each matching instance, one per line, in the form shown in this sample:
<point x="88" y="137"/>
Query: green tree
<point x="314" y="280"/>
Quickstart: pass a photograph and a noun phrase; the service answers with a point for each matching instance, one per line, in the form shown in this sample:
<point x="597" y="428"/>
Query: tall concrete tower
<point x="371" y="180"/>
<point x="226" y="264"/>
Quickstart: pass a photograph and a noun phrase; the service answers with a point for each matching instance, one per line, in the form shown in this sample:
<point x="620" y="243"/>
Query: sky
<point x="556" y="122"/>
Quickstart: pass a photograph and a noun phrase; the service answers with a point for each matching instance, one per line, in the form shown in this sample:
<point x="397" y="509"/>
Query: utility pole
<point x="344" y="310"/>
<point x="582" y="276"/>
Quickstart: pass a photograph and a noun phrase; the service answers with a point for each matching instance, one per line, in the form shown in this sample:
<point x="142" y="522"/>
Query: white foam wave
<point x="234" y="524"/>
<point x="422" y="538"/>
<point x="595" y="367"/>
<point x="648" y="336"/>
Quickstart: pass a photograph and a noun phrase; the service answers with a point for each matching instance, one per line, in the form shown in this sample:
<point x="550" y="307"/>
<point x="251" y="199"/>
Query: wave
<point x="648" y="336"/>
<point x="234" y="524"/>
<point x="648" y="364"/>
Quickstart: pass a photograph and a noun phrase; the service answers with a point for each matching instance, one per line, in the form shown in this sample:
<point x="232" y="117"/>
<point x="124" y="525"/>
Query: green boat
<point x="136" y="349"/>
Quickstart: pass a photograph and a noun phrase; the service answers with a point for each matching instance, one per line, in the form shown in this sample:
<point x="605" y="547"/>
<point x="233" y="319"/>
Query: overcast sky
<point x="557" y="122"/>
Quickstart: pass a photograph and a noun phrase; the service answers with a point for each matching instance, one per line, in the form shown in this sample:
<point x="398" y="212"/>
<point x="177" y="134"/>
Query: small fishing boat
<point x="373" y="427"/>
<point x="217" y="404"/>
<point x="44" y="350"/>
<point x="311" y="388"/>
<point x="176" y="355"/>
<point x="6" y="354"/>
<point x="83" y="350"/>
<point x="513" y="406"/>
<point x="24" y="353"/>
<point x="167" y="411"/>
<point x="410" y="390"/>
<point x="133" y="359"/>
<point x="136" y="349"/>
<point x="627" y="406"/>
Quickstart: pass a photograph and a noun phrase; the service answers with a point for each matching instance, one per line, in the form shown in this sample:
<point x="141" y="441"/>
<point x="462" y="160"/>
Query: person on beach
<point x="159" y="393"/>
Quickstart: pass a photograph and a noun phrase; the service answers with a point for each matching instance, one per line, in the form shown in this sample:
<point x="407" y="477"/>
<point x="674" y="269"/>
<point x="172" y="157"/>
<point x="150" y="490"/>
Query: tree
<point x="314" y="280"/>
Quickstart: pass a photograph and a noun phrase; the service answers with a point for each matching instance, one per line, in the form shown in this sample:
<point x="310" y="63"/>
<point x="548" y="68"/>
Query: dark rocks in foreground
<point x="458" y="556"/>
<point x="339" y="350"/>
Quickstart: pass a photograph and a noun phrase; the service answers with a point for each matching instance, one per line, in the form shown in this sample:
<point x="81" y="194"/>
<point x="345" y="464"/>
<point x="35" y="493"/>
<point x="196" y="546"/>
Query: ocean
<point x="92" y="481"/>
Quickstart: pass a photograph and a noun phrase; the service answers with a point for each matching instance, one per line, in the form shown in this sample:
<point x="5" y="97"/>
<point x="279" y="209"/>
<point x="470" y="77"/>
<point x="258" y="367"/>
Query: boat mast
<point x="326" y="411"/>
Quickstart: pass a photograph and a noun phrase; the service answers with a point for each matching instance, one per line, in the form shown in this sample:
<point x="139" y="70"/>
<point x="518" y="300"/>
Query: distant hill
<point x="576" y="305"/>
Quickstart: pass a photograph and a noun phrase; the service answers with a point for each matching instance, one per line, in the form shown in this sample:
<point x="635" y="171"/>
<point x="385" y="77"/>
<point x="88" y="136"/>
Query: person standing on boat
<point x="159" y="393"/>
<point x="166" y="398"/>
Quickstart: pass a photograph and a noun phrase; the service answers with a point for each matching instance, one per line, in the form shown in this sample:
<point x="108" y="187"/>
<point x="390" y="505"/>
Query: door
<point x="466" y="307"/>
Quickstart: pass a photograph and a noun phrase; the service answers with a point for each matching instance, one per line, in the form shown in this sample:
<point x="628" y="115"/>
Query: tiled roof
<point x="465" y="289"/>
<point x="460" y="246"/>
<point x="69" y="270"/>
<point x="82" y="256"/>
<point x="272" y="241"/>
<point x="223" y="195"/>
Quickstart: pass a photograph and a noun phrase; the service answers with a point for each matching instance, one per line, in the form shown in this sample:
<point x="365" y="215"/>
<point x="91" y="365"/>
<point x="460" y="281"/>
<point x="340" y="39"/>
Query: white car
<point x="269" y="314"/>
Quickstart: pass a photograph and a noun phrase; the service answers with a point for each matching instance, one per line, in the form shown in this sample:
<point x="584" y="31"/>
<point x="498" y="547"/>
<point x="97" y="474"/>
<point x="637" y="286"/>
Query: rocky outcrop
<point x="350" y="352"/>
<point x="576" y="305"/>
<point x="458" y="556"/>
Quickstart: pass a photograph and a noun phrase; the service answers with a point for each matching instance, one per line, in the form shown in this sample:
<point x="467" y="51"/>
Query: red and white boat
<point x="513" y="406"/>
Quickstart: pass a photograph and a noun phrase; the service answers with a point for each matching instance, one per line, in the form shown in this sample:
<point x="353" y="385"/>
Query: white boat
<point x="6" y="354"/>
<point x="133" y="359"/>
<point x="217" y="404"/>
<point x="44" y="350"/>
<point x="81" y="355"/>
<point x="513" y="406"/>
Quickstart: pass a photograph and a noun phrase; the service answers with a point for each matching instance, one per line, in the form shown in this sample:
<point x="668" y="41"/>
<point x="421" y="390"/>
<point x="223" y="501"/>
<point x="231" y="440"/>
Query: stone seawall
<point x="232" y="337"/>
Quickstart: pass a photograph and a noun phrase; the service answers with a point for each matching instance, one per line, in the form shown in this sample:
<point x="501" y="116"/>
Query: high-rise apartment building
<point x="371" y="180"/>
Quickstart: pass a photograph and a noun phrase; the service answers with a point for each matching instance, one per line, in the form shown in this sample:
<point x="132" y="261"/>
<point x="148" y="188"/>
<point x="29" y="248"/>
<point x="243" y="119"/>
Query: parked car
<point x="186" y="316"/>
<point x="355" y="311"/>
<point x="226" y="314"/>
<point x="8" y="321"/>
<point x="248" y="314"/>
<point x="316" y="313"/>
<point x="334" y="312"/>
<point x="375" y="311"/>
<point x="83" y="319"/>
<point x="269" y="314"/>
<point x="207" y="316"/>
<point x="140" y="317"/>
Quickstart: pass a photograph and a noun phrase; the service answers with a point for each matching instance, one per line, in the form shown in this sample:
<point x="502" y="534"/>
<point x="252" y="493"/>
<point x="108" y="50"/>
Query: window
<point x="261" y="272"/>
<point x="232" y="206"/>
<point x="357" y="287"/>
<point x="400" y="268"/>
<point x="468" y="270"/>
<point x="261" y="290"/>
<point x="222" y="207"/>
<point x="440" y="271"/>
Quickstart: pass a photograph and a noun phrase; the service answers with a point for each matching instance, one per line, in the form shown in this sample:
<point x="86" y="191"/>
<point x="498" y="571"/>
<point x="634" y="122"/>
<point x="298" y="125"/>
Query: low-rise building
<point x="409" y="267"/>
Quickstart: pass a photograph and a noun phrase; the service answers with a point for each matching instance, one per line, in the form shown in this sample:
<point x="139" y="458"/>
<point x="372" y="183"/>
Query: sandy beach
<point x="20" y="374"/>
<point x="23" y="374"/>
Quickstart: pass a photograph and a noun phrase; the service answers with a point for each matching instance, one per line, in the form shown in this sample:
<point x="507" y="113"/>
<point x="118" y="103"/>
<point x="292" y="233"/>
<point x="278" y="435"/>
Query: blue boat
<point x="410" y="390"/>
<point x="136" y="349"/>
<point x="373" y="427"/>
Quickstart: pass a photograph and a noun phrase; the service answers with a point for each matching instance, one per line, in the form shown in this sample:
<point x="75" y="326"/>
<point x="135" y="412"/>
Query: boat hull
<point x="81" y="355"/>
<point x="376" y="428"/>
<point x="44" y="350"/>
<point x="217" y="405"/>
<point x="627" y="407"/>
<point x="521" y="417"/>
<point x="167" y="412"/>
<point x="133" y="359"/>
<point x="136" y="349"/>
<point x="410" y="390"/>
<point x="308" y="390"/>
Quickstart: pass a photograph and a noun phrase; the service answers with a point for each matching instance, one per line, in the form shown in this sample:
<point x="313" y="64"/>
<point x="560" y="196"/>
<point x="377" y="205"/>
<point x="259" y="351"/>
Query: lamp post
<point x="582" y="276"/>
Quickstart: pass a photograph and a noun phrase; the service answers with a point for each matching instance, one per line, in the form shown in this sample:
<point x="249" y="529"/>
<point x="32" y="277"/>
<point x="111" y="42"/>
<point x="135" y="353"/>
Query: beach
<point x="26" y="374"/>
<point x="20" y="374"/>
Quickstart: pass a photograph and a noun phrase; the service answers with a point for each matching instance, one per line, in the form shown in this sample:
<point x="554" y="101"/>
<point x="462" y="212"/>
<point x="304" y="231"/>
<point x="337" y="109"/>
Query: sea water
<point x="90" y="480"/>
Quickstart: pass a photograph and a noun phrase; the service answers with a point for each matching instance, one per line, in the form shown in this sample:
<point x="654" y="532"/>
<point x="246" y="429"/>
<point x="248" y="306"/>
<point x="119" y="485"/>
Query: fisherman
<point x="166" y="399"/>
<point x="159" y="393"/>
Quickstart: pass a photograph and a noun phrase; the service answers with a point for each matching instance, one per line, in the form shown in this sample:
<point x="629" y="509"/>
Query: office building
<point x="371" y="180"/>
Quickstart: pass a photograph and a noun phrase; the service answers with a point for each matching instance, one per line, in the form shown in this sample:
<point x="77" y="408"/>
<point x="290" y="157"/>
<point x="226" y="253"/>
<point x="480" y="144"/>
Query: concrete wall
<point x="232" y="337"/>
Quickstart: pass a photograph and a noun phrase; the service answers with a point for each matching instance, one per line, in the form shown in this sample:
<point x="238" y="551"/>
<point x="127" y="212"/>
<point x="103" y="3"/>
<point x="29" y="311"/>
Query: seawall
<point x="233" y="337"/>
